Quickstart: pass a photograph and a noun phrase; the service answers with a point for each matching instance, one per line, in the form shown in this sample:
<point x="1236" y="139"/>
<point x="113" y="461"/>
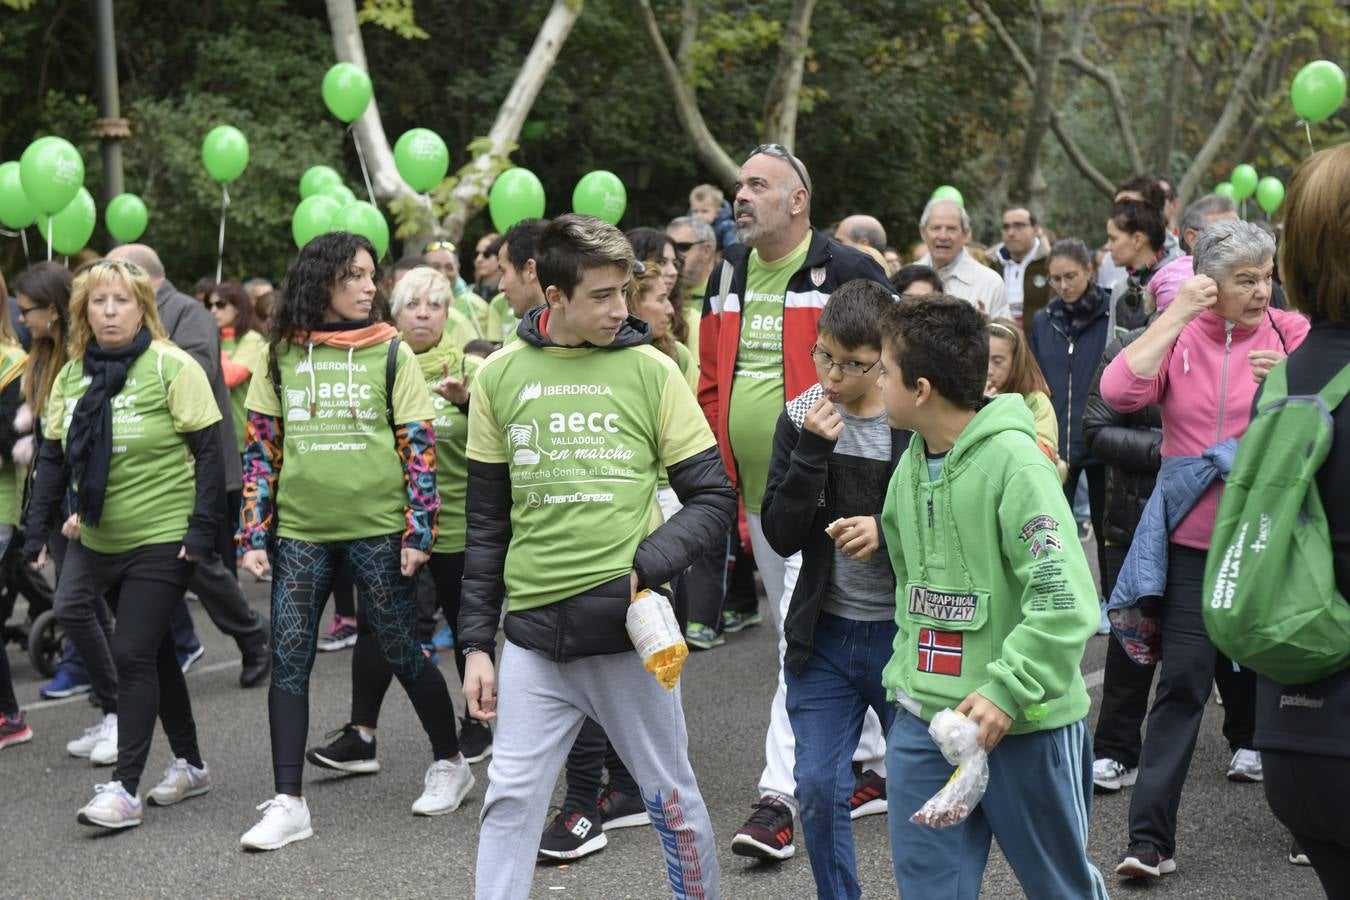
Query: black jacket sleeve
<point x="50" y="478"/>
<point x="488" y="517"/>
<point x="11" y="398"/>
<point x="1110" y="438"/>
<point x="209" y="472"/>
<point x="709" y="510"/>
<point x="797" y="473"/>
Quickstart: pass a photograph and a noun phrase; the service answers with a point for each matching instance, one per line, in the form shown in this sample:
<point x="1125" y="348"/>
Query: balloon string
<point x="361" y="158"/>
<point x="23" y="236"/>
<point x="1307" y="129"/>
<point x="220" y="250"/>
<point x="51" y="228"/>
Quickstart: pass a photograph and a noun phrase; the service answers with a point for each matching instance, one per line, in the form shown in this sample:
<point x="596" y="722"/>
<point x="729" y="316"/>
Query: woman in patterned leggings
<point x="343" y="403"/>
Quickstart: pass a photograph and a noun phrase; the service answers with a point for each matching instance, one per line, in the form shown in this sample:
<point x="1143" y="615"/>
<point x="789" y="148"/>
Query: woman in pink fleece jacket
<point x="1201" y="361"/>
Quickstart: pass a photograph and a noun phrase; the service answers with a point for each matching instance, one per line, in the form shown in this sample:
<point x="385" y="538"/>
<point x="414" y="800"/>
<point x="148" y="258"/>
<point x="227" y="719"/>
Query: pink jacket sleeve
<point x="1124" y="390"/>
<point x="1293" y="326"/>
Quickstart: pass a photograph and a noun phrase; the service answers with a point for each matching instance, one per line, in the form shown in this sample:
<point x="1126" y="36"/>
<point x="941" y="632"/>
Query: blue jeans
<point x="1038" y="805"/>
<point x="826" y="703"/>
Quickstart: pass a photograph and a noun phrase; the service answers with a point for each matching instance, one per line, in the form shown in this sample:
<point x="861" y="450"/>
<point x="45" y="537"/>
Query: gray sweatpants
<point x="541" y="706"/>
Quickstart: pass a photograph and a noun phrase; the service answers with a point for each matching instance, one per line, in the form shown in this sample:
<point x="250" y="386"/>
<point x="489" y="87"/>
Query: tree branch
<point x="784" y="90"/>
<point x="1108" y="80"/>
<point x="1167" y="119"/>
<point x="1027" y="183"/>
<point x="688" y="32"/>
<point x="687" y="111"/>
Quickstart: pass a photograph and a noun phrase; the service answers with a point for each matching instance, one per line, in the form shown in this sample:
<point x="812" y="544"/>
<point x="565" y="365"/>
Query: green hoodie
<point x="993" y="592"/>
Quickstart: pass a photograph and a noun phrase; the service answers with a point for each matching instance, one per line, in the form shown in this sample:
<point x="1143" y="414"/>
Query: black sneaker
<point x="475" y="739"/>
<point x="1143" y="860"/>
<point x="869" y="795"/>
<point x="620" y="810"/>
<point x="768" y="832"/>
<point x="348" y="753"/>
<point x="572" y="834"/>
<point x="1297" y="856"/>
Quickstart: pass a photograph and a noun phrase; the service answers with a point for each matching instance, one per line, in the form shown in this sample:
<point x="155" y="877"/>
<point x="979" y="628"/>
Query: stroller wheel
<point x="44" y="643"/>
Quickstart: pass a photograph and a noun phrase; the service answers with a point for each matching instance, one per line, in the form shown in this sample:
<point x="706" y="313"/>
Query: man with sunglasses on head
<point x="443" y="257"/>
<point x="760" y="311"/>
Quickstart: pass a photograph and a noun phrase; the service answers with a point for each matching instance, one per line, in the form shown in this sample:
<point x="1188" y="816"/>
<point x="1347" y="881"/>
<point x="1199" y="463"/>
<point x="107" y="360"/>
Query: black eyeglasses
<point x="825" y="362"/>
<point x="781" y="152"/>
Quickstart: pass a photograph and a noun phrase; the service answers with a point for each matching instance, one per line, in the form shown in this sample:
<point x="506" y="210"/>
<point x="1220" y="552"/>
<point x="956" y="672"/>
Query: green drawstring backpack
<point x="1270" y="600"/>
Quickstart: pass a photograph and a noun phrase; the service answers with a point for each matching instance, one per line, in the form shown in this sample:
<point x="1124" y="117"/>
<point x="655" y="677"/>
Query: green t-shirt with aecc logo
<point x="757" y="387"/>
<point x="584" y="432"/>
<point x="151" y="483"/>
<point x="452" y="431"/>
<point x="341" y="478"/>
<point x="249" y="351"/>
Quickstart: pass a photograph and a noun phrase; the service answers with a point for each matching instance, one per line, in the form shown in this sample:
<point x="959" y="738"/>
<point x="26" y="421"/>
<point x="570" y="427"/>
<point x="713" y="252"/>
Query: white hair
<point x="933" y="204"/>
<point x="1229" y="244"/>
<point x="421" y="281"/>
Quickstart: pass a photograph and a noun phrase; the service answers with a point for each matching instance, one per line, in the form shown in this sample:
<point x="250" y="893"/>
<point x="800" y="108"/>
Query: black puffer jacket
<point x="1129" y="445"/>
<point x="591" y="623"/>
<point x="809" y="487"/>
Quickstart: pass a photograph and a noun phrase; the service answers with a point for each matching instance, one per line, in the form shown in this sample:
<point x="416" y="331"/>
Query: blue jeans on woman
<point x="826" y="703"/>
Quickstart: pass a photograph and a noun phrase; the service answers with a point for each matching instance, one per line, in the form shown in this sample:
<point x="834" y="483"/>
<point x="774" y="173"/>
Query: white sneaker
<point x="285" y="820"/>
<point x="447" y="784"/>
<point x="1246" y="766"/>
<point x="105" y="753"/>
<point x="1109" y="776"/>
<point x="181" y="781"/>
<point x="84" y="745"/>
<point x="112" y="807"/>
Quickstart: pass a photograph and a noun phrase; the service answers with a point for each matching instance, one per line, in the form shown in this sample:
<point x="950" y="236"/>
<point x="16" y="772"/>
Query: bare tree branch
<point x="1167" y="118"/>
<point x="1107" y="78"/>
<point x="688" y="32"/>
<point x="706" y="147"/>
<point x="1028" y="185"/>
<point x="784" y="91"/>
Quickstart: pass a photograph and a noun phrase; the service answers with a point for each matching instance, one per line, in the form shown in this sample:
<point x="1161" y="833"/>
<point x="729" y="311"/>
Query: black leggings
<point x="1096" y="485"/>
<point x="145" y="586"/>
<point x="302" y="578"/>
<point x="1310" y="794"/>
<point x="590" y="755"/>
<point x="370" y="673"/>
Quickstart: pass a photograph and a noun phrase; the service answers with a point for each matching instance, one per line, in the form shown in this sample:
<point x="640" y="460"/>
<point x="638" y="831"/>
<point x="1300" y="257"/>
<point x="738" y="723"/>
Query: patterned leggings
<point x="302" y="578"/>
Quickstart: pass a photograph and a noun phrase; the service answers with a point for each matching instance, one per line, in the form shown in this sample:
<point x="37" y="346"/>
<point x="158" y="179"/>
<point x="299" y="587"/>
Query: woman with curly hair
<point x="656" y="250"/>
<point x="343" y="402"/>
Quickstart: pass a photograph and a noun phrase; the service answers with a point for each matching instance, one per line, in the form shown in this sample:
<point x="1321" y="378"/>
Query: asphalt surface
<point x="368" y="844"/>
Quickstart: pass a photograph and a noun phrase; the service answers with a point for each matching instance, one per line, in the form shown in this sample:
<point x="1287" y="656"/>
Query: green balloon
<point x="225" y="153"/>
<point x="52" y="173"/>
<point x="947" y="192"/>
<point x="1270" y="194"/>
<point x="346" y="91"/>
<point x="364" y="219"/>
<point x="316" y="178"/>
<point x="516" y="194"/>
<point x="126" y="217"/>
<point x="313" y="217"/>
<point x="71" y="228"/>
<point x="1318" y="90"/>
<point x="339" y="192"/>
<point x="1225" y="189"/>
<point x="422" y="158"/>
<point x="1243" y="181"/>
<point x="15" y="210"/>
<point x="600" y="194"/>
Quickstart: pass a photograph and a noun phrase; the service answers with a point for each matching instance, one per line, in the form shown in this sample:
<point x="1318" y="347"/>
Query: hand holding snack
<point x="958" y="739"/>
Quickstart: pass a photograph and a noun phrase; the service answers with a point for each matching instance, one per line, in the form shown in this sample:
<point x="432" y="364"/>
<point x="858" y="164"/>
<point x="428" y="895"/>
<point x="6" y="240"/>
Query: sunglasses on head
<point x="439" y="245"/>
<point x="781" y="152"/>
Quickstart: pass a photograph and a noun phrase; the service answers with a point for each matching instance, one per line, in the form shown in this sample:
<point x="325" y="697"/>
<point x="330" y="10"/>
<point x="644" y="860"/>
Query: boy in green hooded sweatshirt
<point x="994" y="604"/>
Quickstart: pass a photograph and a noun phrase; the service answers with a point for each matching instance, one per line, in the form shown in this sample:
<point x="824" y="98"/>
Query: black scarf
<point x="89" y="437"/>
<point x="1076" y="316"/>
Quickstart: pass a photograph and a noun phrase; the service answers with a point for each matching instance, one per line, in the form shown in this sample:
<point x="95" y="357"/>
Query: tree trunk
<point x="1027" y="185"/>
<point x="347" y="43"/>
<point x="706" y="147"/>
<point x="1167" y="121"/>
<point x="470" y="195"/>
<point x="781" y="97"/>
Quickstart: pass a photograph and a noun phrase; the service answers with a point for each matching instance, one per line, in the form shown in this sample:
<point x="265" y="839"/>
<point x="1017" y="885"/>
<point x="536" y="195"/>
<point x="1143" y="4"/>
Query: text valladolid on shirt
<point x="151" y="486"/>
<point x="584" y="433"/>
<point x="341" y="478"/>
<point x="757" y="391"/>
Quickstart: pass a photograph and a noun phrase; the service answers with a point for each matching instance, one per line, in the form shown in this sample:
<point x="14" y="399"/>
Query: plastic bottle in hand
<point x="657" y="637"/>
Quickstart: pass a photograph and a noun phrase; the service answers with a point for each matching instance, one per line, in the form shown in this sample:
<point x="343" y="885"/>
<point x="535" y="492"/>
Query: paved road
<point x="368" y="844"/>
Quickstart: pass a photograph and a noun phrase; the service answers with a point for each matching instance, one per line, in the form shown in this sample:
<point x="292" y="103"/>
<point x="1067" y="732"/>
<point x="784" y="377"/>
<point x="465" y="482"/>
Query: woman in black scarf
<point x="130" y="430"/>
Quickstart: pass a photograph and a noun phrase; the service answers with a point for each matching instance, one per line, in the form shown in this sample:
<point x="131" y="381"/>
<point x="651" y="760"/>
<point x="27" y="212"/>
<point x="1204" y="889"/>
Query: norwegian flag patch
<point x="940" y="651"/>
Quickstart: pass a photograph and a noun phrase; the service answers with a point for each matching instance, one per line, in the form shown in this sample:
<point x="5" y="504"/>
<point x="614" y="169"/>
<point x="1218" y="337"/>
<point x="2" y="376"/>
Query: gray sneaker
<point x="1246" y="767"/>
<point x="181" y="781"/>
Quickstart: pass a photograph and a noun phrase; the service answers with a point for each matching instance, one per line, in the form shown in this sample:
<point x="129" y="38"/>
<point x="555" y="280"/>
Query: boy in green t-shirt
<point x="568" y="428"/>
<point x="994" y="604"/>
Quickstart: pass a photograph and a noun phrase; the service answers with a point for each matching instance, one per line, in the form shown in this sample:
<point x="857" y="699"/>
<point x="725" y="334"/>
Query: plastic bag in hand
<point x="958" y="739"/>
<point x="656" y="635"/>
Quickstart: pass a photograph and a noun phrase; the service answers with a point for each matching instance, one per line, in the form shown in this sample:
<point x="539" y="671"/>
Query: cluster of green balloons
<point x="947" y="192"/>
<point x="517" y="194"/>
<point x="326" y="204"/>
<point x="600" y="194"/>
<point x="1318" y="90"/>
<point x="46" y="187"/>
<point x="1244" y="182"/>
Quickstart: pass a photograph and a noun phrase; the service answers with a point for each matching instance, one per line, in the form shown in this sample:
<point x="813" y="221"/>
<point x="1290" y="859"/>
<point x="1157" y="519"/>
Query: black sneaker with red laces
<point x="768" y="832"/>
<point x="572" y="834"/>
<point x="869" y="795"/>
